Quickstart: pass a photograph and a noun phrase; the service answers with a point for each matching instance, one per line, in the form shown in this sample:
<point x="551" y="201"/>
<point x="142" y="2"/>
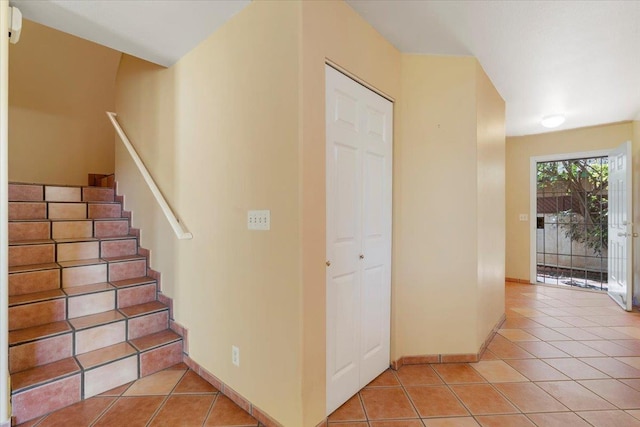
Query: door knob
<point x="361" y="256"/>
<point x="328" y="263"/>
<point x="621" y="234"/>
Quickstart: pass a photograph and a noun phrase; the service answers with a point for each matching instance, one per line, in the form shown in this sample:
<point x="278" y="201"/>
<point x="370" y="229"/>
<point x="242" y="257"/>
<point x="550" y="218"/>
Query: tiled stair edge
<point x="173" y="325"/>
<point x="156" y="275"/>
<point x="514" y="280"/>
<point x="449" y="358"/>
<point x="239" y="400"/>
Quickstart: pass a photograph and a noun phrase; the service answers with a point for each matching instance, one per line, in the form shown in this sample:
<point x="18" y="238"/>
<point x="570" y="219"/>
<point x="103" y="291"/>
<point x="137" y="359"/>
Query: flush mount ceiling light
<point x="552" y="121"/>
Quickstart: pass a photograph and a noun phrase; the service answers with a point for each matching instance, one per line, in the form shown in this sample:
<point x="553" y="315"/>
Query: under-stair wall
<point x="85" y="311"/>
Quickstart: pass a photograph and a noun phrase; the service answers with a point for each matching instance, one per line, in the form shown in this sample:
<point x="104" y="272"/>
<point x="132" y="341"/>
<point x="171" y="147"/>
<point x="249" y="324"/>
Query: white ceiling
<point x="578" y="58"/>
<point x="155" y="30"/>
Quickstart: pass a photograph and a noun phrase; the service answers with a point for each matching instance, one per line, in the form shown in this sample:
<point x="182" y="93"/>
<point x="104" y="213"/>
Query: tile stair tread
<point x="33" y="267"/>
<point x="44" y="374"/>
<point x="100" y="202"/>
<point x="133" y="282"/>
<point x="74" y="202"/>
<point x="81" y="262"/>
<point x="76" y="239"/>
<point x="20" y="336"/>
<point x="36" y="297"/>
<point x="105" y="355"/>
<point x="154" y="340"/>
<point x="88" y="289"/>
<point x="124" y="258"/>
<point x="123" y="237"/>
<point x="31" y="242"/>
<point x="142" y="309"/>
<point x="98" y="319"/>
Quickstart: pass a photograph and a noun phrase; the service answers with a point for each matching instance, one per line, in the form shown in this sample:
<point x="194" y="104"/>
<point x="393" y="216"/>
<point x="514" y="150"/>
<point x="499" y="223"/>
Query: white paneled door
<point x="359" y="161"/>
<point x="620" y="227"/>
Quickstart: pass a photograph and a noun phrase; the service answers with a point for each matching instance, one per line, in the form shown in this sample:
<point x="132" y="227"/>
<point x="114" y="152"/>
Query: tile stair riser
<point x="44" y="253"/>
<point x="66" y="228"/>
<point x="104" y="210"/>
<point x="62" y="194"/>
<point x="72" y="229"/>
<point x="147" y="324"/>
<point x="38" y="192"/>
<point x="92" y="194"/>
<point x="121" y="270"/>
<point x="40" y="352"/>
<point x="159" y="358"/>
<point x="135" y="295"/>
<point x="67" y="210"/>
<point x="27" y="210"/>
<point x="29" y="230"/>
<point x="105" y="377"/>
<point x="77" y="251"/>
<point x="93" y="303"/>
<point x="34" y="402"/>
<point x="31" y="254"/>
<point x="84" y="275"/>
<point x="26" y="192"/>
<point x="100" y="336"/>
<point x="117" y="248"/>
<point x="111" y="228"/>
<point x="33" y="281"/>
<point x="40" y="313"/>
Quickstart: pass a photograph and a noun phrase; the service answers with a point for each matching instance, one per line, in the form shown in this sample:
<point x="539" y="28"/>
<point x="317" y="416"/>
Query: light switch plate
<point x="524" y="217"/>
<point x="259" y="220"/>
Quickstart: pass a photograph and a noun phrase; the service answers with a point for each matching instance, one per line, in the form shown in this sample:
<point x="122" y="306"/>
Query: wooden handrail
<point x="175" y="223"/>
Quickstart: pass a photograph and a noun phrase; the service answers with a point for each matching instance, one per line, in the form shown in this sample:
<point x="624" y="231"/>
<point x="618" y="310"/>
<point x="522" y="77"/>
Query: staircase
<point x="84" y="315"/>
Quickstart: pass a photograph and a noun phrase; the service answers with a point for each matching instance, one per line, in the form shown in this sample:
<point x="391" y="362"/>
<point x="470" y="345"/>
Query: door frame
<point x="533" y="192"/>
<point x="5" y="409"/>
<point x="358" y="80"/>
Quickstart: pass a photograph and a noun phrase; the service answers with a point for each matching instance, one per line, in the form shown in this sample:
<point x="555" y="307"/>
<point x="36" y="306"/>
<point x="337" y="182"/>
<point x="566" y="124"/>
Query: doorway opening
<point x="572" y="222"/>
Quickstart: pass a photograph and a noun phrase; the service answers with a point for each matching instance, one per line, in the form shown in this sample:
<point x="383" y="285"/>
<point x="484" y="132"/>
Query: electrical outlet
<point x="235" y="355"/>
<point x="524" y="217"/>
<point x="259" y="220"/>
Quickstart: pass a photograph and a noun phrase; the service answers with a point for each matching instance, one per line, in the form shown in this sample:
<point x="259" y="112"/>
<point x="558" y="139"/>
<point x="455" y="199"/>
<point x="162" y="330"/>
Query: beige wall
<point x="59" y="89"/>
<point x="490" y="110"/>
<point x="434" y="271"/>
<point x="238" y="124"/>
<point x="220" y="132"/>
<point x="520" y="150"/>
<point x="448" y="207"/>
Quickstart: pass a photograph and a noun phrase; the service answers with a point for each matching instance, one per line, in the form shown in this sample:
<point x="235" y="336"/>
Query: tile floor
<point x="174" y="397"/>
<point x="562" y="358"/>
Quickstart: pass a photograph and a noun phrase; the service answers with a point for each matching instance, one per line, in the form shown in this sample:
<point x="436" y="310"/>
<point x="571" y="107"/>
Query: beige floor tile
<point x="157" y="384"/>
<point x="610" y="419"/>
<point x="497" y="371"/>
<point x="517" y="335"/>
